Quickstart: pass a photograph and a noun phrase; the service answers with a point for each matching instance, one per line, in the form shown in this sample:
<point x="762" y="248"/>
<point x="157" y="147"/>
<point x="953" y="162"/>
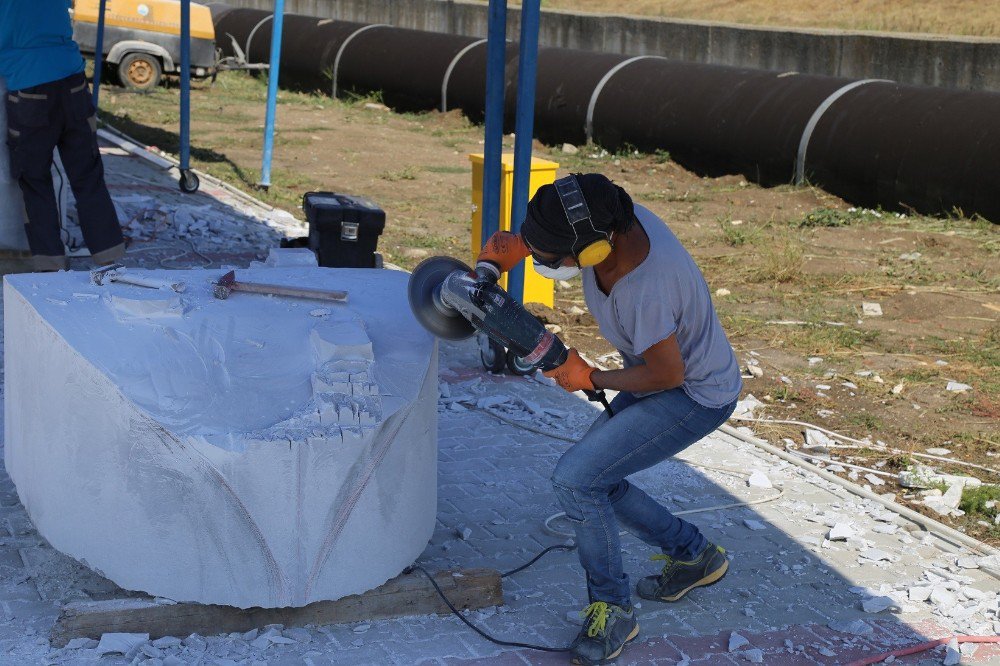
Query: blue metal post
<point x="496" y="48"/>
<point x="99" y="52"/>
<point x="274" y="65"/>
<point x="185" y="152"/>
<point x="527" y="69"/>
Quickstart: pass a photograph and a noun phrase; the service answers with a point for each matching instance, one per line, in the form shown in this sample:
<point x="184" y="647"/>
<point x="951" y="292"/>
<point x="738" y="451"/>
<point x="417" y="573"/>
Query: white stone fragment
<point x="81" y="644"/>
<point x="187" y="464"/>
<point x="957" y="387"/>
<point x="285" y="257"/>
<point x="818" y="440"/>
<point x="759" y="480"/>
<point x="877" y="604"/>
<point x="874" y="480"/>
<point x="942" y="597"/>
<point x="755" y="525"/>
<point x="875" y="555"/>
<point x="826" y="652"/>
<point x="919" y="592"/>
<point x="871" y="309"/>
<point x="737" y="641"/>
<point x="938" y="451"/>
<point x="953" y="655"/>
<point x="754" y="656"/>
<point x="120" y="643"/>
<point x="841" y="532"/>
<point x="855" y="627"/>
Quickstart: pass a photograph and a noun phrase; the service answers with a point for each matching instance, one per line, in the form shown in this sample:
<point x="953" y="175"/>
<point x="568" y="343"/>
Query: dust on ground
<point x="789" y="267"/>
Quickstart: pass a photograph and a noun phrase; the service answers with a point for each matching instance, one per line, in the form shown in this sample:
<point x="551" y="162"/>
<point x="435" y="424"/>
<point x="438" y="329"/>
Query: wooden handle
<point x="296" y="292"/>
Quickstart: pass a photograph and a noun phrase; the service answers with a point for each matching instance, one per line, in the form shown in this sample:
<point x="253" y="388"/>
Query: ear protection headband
<point x="578" y="217"/>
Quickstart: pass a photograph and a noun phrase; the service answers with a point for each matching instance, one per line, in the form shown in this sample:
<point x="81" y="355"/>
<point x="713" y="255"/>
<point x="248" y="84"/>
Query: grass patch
<point x="835" y="217"/>
<point x="782" y="264"/>
<point x="737" y="235"/>
<point x="406" y="173"/>
<point x="982" y="503"/>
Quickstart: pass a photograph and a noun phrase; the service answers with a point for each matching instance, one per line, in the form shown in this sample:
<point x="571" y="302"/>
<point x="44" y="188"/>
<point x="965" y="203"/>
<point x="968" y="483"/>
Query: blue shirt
<point x="36" y="43"/>
<point x="666" y="295"/>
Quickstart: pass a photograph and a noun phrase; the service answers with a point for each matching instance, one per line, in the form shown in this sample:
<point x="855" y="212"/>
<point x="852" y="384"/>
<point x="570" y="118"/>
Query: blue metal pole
<point x="99" y="52"/>
<point x="527" y="69"/>
<point x="496" y="48"/>
<point x="185" y="86"/>
<point x="274" y="65"/>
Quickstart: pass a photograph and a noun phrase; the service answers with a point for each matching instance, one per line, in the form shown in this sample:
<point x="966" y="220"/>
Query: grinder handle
<point x="599" y="396"/>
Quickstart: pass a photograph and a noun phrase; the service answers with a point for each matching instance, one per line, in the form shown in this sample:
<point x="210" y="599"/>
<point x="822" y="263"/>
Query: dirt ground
<point x="789" y="267"/>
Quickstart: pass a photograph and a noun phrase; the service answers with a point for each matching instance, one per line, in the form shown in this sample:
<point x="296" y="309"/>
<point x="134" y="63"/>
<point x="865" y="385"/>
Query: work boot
<point x="679" y="577"/>
<point x="606" y="630"/>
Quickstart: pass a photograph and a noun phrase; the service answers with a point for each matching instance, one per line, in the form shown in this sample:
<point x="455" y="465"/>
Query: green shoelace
<point x="598" y="612"/>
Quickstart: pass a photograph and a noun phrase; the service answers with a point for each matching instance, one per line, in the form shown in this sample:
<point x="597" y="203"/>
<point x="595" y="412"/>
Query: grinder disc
<point x="440" y="320"/>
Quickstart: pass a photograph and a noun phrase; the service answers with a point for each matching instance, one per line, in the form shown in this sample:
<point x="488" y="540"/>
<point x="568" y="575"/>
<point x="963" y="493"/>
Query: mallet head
<point x="224" y="286"/>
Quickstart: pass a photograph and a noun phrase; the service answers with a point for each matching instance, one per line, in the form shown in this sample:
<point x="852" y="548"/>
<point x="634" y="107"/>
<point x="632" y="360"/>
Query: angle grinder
<point x="454" y="302"/>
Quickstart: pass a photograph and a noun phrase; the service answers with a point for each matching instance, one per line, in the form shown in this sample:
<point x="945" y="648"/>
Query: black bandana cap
<point x="545" y="227"/>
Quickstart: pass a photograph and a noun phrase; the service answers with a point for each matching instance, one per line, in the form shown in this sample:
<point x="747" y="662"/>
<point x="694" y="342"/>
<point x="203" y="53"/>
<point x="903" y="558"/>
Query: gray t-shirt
<point x="666" y="294"/>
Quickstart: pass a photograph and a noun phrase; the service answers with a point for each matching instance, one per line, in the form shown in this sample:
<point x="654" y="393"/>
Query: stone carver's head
<point x="572" y="223"/>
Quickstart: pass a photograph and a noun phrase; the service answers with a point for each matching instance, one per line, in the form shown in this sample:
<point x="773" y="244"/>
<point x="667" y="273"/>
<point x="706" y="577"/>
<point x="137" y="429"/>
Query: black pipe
<point x="876" y="144"/>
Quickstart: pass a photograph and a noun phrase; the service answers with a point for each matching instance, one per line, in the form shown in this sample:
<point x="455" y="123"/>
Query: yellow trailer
<point x="142" y="38"/>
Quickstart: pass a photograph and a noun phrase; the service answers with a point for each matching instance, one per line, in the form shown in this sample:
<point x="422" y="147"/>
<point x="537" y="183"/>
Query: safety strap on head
<point x="575" y="207"/>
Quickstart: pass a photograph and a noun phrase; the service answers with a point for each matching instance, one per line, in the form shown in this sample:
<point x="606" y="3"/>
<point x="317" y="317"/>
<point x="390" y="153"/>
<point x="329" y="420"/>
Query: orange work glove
<point x="574" y="374"/>
<point x="502" y="252"/>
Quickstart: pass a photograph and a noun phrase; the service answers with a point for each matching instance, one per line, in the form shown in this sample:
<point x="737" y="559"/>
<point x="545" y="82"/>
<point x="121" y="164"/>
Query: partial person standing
<point x="680" y="382"/>
<point x="49" y="107"/>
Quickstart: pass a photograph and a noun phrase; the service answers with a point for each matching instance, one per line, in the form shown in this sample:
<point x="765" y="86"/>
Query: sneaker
<point x="678" y="577"/>
<point x="606" y="630"/>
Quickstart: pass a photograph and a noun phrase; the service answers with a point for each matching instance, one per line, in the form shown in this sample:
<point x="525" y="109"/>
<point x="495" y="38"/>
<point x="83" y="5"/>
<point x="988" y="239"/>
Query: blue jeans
<point x="590" y="482"/>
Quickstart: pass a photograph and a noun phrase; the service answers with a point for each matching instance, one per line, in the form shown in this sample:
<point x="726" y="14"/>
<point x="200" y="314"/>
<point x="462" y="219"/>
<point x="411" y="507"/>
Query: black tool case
<point x="343" y="229"/>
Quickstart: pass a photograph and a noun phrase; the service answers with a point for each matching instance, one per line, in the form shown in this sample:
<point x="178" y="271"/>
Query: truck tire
<point x="140" y="72"/>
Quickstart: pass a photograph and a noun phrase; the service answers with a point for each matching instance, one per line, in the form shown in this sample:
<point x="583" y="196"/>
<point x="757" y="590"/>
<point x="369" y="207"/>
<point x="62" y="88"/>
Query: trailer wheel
<point x="140" y="72"/>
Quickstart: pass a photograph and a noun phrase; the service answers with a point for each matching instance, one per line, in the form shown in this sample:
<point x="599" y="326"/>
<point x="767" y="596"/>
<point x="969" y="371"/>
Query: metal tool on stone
<point x="116" y="273"/>
<point x="453" y="302"/>
<point x="228" y="284"/>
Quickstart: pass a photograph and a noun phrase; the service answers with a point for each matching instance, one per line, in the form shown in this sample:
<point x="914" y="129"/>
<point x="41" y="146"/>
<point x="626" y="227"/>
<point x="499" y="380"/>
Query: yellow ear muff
<point x="594" y="253"/>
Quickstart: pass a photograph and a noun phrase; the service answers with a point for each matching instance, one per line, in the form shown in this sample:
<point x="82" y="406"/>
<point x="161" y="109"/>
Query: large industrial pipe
<point x="874" y="143"/>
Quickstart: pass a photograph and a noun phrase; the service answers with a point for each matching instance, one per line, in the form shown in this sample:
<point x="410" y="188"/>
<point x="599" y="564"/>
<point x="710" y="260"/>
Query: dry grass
<point x="948" y="17"/>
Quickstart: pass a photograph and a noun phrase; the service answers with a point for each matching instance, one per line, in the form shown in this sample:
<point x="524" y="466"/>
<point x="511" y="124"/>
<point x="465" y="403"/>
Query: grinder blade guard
<point x="445" y="294"/>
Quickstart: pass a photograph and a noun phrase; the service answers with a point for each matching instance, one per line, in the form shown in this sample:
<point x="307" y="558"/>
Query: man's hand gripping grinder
<point x="452" y="301"/>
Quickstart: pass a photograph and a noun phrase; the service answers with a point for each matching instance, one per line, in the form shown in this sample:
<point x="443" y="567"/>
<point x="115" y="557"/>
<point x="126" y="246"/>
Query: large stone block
<point x="254" y="451"/>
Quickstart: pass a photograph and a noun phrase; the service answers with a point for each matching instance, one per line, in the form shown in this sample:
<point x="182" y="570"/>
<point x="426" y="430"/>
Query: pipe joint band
<point x="340" y="52"/>
<point x="589" y="128"/>
<point x="451" y="67"/>
<point x="800" y="157"/>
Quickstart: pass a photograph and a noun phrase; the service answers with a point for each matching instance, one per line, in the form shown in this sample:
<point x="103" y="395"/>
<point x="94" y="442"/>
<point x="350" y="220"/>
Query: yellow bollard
<point x="537" y="289"/>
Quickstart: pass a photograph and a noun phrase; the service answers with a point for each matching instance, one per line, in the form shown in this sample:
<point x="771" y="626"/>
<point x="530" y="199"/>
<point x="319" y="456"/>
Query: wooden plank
<point x="407" y="594"/>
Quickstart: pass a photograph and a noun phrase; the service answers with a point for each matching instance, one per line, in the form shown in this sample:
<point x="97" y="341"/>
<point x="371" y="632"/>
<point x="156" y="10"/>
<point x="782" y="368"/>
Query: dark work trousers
<point x="60" y="115"/>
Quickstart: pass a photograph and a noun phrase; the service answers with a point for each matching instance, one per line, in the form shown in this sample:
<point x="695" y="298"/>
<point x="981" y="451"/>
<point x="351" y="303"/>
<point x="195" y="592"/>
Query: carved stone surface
<point x="254" y="451"/>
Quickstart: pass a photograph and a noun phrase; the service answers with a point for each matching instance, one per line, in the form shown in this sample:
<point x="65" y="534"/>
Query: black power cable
<point x="470" y="625"/>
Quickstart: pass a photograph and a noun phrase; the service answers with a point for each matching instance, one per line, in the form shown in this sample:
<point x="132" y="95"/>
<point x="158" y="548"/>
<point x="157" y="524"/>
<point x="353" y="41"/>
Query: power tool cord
<point x="545" y="648"/>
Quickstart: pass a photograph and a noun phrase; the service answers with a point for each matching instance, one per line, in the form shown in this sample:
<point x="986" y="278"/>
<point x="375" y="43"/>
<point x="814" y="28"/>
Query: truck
<point x="142" y="39"/>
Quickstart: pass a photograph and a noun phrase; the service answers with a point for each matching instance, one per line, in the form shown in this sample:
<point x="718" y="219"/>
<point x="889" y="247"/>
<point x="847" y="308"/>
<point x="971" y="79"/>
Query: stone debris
<point x="957" y="387"/>
<point x="818" y="441"/>
<point x="737" y="641"/>
<point x="875" y="555"/>
<point x="855" y="627"/>
<point x="874" y="480"/>
<point x="952" y="654"/>
<point x="871" y="309"/>
<point x="938" y="451"/>
<point x="814" y="360"/>
<point x="759" y="480"/>
<point x="569" y="149"/>
<point x="81" y="644"/>
<point x="722" y="291"/>
<point x="826" y="652"/>
<point x="942" y="597"/>
<point x="841" y="532"/>
<point x="115" y="643"/>
<point x="464" y="533"/>
<point x="755" y="525"/>
<point x="754" y="656"/>
<point x="877" y="604"/>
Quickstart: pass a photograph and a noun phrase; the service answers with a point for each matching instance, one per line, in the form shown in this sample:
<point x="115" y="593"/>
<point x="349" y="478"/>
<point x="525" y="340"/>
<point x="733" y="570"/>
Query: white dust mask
<point x="561" y="273"/>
